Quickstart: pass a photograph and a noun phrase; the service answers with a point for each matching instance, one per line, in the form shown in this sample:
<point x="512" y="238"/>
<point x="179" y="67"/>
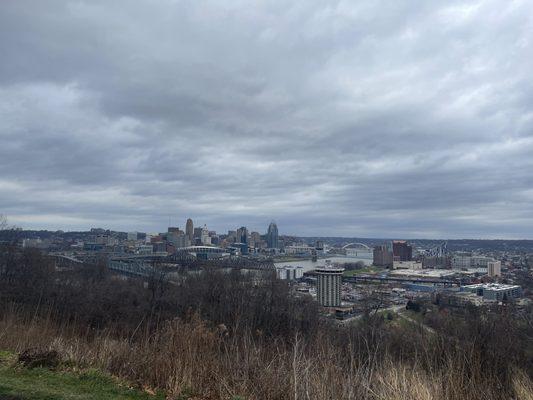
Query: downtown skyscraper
<point x="272" y="236"/>
<point x="189" y="230"/>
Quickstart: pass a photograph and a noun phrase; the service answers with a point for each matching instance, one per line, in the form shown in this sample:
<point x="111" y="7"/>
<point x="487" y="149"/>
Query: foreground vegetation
<point x="228" y="336"/>
<point x="18" y="382"/>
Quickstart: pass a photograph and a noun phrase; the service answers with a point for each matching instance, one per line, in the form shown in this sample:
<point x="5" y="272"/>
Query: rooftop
<point x="327" y="269"/>
<point x="491" y="286"/>
<point x="428" y="273"/>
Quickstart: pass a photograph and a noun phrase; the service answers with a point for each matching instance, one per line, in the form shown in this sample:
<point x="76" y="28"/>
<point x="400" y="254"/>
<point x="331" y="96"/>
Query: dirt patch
<point x="35" y="358"/>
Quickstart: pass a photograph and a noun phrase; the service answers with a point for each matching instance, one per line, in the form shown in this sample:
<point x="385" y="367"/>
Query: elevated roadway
<point x="373" y="278"/>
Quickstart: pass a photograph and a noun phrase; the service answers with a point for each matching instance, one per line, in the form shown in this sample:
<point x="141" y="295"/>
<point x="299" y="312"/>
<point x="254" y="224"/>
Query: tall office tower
<point x="382" y="256"/>
<point x="178" y="239"/>
<point x="402" y="251"/>
<point x="329" y="286"/>
<point x="231" y="237"/>
<point x="272" y="236"/>
<point x="213" y="238"/>
<point x="189" y="229"/>
<point x="204" y="236"/>
<point x="494" y="268"/>
<point x="242" y="235"/>
<point x="255" y="239"/>
<point x="132" y="236"/>
<point x="197" y="233"/>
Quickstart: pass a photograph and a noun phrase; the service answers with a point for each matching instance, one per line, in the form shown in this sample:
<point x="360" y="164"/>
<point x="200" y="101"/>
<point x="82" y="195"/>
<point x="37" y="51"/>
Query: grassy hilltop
<point x="233" y="336"/>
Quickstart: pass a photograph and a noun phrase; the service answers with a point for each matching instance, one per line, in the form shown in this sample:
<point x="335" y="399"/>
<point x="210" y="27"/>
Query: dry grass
<point x="191" y="358"/>
<point x="523" y="386"/>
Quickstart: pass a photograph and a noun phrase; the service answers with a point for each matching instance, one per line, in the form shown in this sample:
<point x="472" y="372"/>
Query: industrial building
<point x="465" y="260"/>
<point x="436" y="262"/>
<point x="407" y="265"/>
<point x="461" y="299"/>
<point x="494" y="291"/>
<point x="289" y="273"/>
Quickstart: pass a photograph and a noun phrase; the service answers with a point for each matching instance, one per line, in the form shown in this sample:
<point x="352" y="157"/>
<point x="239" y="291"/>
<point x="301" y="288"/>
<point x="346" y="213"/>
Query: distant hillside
<point x="453" y="244"/>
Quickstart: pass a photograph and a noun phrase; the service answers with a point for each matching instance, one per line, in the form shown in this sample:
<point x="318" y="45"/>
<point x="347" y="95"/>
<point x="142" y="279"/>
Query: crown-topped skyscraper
<point x="272" y="236"/>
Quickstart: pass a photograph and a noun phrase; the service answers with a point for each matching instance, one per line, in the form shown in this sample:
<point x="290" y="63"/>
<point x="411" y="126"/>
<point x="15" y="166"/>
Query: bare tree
<point x="7" y="251"/>
<point x="157" y="284"/>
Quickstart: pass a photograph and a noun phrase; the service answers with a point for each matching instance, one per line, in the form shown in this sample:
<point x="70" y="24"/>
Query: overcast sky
<point x="350" y="118"/>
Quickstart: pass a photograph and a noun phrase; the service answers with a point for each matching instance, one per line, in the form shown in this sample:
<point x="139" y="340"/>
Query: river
<point x="308" y="265"/>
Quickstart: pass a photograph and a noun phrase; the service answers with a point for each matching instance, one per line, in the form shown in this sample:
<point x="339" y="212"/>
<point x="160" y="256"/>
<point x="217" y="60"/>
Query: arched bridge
<point x="358" y="250"/>
<point x="361" y="246"/>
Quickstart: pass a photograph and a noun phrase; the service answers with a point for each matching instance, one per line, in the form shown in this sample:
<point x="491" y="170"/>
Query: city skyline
<point x="343" y="119"/>
<point x="262" y="230"/>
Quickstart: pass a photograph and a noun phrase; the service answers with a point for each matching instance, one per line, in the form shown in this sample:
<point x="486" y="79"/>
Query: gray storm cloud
<point x="407" y="119"/>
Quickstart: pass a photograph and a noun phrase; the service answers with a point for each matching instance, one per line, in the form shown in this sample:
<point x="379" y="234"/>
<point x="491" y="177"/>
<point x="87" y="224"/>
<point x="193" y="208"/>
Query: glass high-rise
<point x="272" y="236"/>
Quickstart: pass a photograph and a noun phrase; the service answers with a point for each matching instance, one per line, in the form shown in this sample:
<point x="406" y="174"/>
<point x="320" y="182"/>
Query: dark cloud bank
<point x="405" y="118"/>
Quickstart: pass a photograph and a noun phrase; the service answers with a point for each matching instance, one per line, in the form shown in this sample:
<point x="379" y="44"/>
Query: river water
<point x="308" y="265"/>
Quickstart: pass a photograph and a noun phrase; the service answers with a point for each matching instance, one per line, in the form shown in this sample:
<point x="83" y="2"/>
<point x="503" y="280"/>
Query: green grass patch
<point x="21" y="383"/>
<point x="366" y="270"/>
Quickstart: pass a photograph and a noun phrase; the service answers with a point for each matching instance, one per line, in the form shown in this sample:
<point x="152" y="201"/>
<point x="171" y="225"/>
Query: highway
<point x="362" y="278"/>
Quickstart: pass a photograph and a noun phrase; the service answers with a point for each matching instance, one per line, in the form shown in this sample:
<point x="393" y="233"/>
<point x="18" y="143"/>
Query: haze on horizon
<point x="358" y="119"/>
